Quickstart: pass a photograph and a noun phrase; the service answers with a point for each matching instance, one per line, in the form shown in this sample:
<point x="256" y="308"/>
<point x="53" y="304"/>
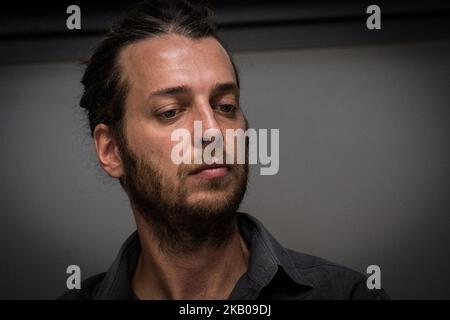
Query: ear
<point x="107" y="151"/>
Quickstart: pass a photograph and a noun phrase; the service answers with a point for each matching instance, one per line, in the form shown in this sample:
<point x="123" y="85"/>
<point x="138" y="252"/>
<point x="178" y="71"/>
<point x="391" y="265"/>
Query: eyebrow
<point x="227" y="87"/>
<point x="219" y="88"/>
<point x="171" y="91"/>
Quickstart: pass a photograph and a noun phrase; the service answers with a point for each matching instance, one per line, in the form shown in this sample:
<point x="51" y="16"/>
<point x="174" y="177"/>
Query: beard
<point x="181" y="227"/>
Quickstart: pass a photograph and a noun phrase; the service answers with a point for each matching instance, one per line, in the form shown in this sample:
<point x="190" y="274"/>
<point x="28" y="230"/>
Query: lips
<point x="210" y="171"/>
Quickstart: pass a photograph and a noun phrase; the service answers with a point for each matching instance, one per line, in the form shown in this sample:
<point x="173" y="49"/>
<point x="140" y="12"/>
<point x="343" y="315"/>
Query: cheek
<point x="233" y="144"/>
<point x="159" y="153"/>
<point x="238" y="124"/>
<point x="154" y="146"/>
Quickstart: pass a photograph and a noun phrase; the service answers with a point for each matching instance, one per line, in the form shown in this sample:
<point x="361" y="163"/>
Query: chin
<point x="208" y="200"/>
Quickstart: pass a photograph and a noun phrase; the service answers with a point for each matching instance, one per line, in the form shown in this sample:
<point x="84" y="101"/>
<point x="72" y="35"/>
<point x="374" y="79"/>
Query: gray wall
<point x="364" y="167"/>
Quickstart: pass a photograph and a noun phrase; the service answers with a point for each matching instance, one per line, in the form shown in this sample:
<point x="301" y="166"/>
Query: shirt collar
<point x="267" y="258"/>
<point x="267" y="255"/>
<point x="117" y="282"/>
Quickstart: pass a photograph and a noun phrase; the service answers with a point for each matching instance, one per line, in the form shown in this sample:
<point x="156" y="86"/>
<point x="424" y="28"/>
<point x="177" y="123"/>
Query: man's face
<point x="172" y="82"/>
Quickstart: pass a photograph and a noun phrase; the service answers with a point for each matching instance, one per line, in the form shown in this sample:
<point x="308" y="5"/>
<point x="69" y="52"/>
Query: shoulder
<point x="331" y="280"/>
<point x="88" y="289"/>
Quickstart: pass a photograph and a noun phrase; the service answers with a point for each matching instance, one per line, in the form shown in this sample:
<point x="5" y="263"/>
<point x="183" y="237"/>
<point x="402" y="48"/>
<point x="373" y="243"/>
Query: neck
<point x="210" y="272"/>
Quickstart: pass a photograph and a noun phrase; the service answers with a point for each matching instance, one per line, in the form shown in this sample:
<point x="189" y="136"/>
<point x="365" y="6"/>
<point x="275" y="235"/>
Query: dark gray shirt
<point x="274" y="272"/>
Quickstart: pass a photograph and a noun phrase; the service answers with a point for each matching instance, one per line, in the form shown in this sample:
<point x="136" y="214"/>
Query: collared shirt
<point x="274" y="272"/>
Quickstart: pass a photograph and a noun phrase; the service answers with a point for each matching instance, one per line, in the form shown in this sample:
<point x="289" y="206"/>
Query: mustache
<point x="185" y="169"/>
<point x="189" y="169"/>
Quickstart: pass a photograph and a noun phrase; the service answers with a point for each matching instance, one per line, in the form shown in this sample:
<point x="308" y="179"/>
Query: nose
<point x="205" y="114"/>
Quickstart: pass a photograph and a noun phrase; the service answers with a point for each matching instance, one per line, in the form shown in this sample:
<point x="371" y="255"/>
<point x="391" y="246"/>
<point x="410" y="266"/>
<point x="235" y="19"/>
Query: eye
<point x="169" y="114"/>
<point x="226" y="108"/>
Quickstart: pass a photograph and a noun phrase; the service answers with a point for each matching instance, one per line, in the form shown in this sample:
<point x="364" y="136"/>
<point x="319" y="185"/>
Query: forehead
<point x="175" y="60"/>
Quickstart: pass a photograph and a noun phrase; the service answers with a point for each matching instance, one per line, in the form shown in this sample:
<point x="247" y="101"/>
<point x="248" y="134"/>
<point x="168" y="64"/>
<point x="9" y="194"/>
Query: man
<point x="160" y="68"/>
